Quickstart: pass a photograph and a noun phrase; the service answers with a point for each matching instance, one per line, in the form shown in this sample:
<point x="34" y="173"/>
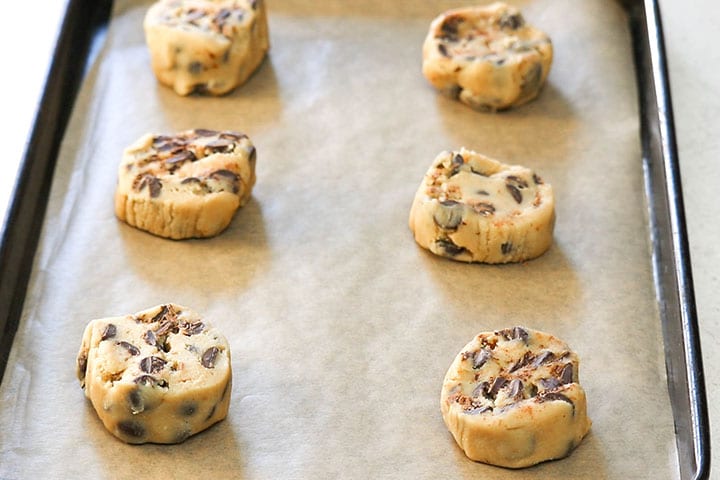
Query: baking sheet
<point x="341" y="327"/>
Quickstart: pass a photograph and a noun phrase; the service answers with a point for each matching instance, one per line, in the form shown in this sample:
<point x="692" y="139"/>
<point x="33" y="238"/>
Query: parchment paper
<point x="341" y="328"/>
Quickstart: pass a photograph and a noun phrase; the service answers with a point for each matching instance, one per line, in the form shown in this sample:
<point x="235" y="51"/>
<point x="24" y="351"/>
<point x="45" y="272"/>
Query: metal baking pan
<point x="84" y="25"/>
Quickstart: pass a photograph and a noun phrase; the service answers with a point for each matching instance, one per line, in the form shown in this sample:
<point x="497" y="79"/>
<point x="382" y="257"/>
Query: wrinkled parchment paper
<point x="341" y="328"/>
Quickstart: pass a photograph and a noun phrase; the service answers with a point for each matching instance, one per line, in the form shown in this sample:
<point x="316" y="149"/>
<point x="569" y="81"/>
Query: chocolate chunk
<point x="165" y="312"/>
<point x="131" y="428"/>
<point x="525" y="360"/>
<point x="537" y="179"/>
<point x="506" y="248"/>
<point x="190" y="180"/>
<point x="132" y="349"/>
<point x="209" y="356"/>
<point x="450" y="26"/>
<point x="443" y="50"/>
<point x="448" y="215"/>
<point x="152" y="364"/>
<point x="512" y="22"/>
<point x="109" y="332"/>
<point x="225" y="173"/>
<point x="449" y="248"/>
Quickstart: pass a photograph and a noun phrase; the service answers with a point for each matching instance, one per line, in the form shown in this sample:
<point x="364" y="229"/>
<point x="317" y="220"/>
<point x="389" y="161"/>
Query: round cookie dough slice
<point x="486" y="56"/>
<point x="472" y="208"/>
<point x="185" y="185"/>
<point x="512" y="398"/>
<point x="160" y="375"/>
<point x="208" y="46"/>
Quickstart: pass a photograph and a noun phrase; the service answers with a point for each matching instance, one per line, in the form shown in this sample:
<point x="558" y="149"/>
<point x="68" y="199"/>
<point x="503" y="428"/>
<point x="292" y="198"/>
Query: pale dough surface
<point x="159" y="375"/>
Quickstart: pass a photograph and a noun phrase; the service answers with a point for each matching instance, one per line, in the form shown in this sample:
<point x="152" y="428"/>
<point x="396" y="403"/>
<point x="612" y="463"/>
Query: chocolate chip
<point x="109" y="332"/>
<point x="155" y="186"/>
<point x="516" y="389"/>
<point x="212" y="412"/>
<point x="477" y="409"/>
<point x="136" y="401"/>
<point x="531" y="80"/>
<point x="480" y="358"/>
<point x="150" y="381"/>
<point x="549" y="383"/>
<point x="132" y="349"/>
<point x="512" y="21"/>
<point x="234" y="136"/>
<point x="191" y="329"/>
<point x="498" y="383"/>
<point x="481" y="390"/>
<point x="484" y="208"/>
<point x="195" y="67"/>
<point x="537" y="179"/>
<point x="190" y="180"/>
<point x="225" y="173"/>
<point x="448" y="215"/>
<point x="188" y="409"/>
<point x="449" y="27"/>
<point x="521" y="333"/>
<point x="204" y="132"/>
<point x="553" y="396"/>
<point x="180" y="158"/>
<point x="182" y="435"/>
<point x="525" y="360"/>
<point x="566" y="375"/>
<point x="545" y="356"/>
<point x="449" y="248"/>
<point x="131" y="428"/>
<point x="152" y="364"/>
<point x="219" y="144"/>
<point x="150" y="338"/>
<point x="506" y="248"/>
<point x="458" y="159"/>
<point x="443" y="50"/>
<point x="209" y="356"/>
<point x="515" y="192"/>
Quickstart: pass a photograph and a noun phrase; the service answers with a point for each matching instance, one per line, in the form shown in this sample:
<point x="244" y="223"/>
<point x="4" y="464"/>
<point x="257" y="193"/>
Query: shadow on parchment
<point x="227" y="262"/>
<point x="217" y="449"/>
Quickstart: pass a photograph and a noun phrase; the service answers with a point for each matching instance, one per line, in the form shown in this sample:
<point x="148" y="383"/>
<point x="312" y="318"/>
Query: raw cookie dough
<point x="474" y="209"/>
<point x="185" y="185"/>
<point x="512" y="398"/>
<point x="160" y="375"/>
<point x="486" y="56"/>
<point x="208" y="46"/>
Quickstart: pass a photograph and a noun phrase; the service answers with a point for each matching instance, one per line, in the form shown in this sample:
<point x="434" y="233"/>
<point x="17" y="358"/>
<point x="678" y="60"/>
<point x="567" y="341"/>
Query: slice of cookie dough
<point x="208" y="46"/>
<point x="486" y="56"/>
<point x="512" y="398"/>
<point x="160" y="375"/>
<point x="185" y="185"/>
<point x="472" y="208"/>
